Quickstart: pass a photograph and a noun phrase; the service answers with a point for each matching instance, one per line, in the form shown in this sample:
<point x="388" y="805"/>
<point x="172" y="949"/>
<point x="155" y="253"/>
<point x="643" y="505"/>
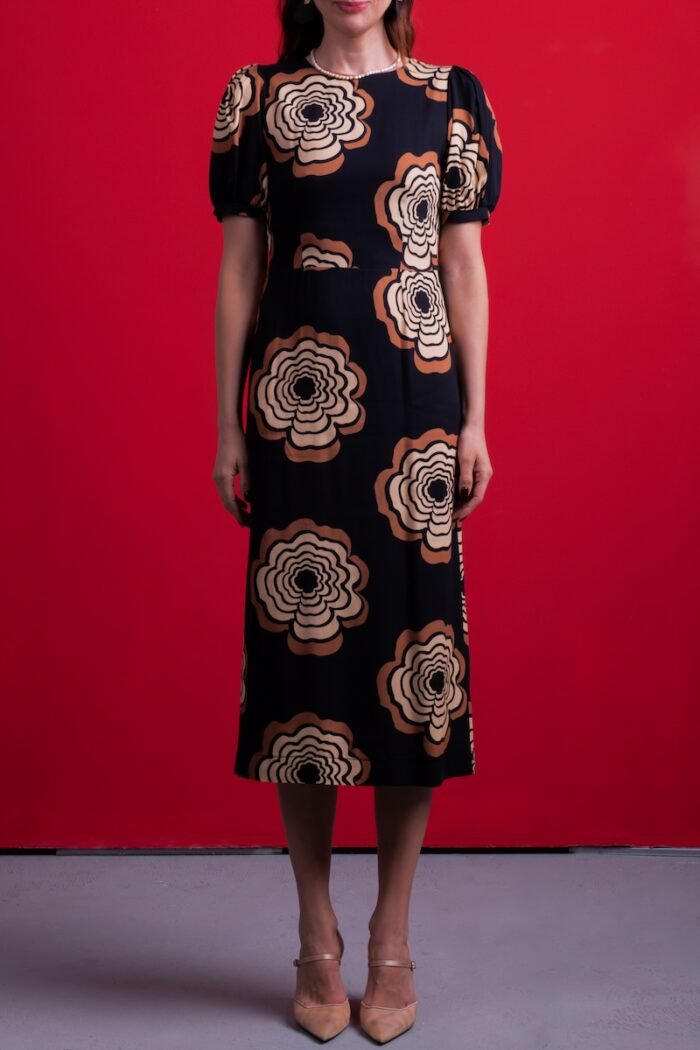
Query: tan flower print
<point x="460" y="553"/>
<point x="244" y="677"/>
<point x="421" y="687"/>
<point x="424" y="74"/>
<point x="306" y="393"/>
<point x="321" y="253"/>
<point x="412" y="306"/>
<point x="307" y="582"/>
<point x="314" y="119"/>
<point x="241" y="99"/>
<point x="416" y="492"/>
<point x="466" y="165"/>
<point x="408" y="207"/>
<point x="309" y="750"/>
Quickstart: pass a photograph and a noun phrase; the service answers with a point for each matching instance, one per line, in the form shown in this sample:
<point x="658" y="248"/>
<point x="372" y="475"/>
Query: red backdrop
<point x="123" y="575"/>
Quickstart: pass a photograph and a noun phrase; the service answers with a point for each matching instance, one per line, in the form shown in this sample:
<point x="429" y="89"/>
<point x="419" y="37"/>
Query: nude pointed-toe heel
<point x="324" y="1020"/>
<point x="383" y="1023"/>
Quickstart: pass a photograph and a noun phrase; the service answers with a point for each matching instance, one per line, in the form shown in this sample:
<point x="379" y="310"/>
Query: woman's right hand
<point x="232" y="459"/>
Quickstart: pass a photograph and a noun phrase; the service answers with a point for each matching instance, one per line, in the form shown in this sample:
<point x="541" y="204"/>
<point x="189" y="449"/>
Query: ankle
<point x="388" y="939"/>
<point x="317" y="930"/>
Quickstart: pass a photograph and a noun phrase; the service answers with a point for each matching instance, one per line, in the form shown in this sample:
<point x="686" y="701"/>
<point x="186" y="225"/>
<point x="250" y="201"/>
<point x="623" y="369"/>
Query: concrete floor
<point x="513" y="952"/>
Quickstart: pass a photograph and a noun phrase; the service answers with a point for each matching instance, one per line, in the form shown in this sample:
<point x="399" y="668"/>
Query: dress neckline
<point x="358" y="76"/>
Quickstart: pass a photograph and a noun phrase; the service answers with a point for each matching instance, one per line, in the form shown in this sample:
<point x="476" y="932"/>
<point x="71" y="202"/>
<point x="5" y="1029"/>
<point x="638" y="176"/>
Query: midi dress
<point x="355" y="652"/>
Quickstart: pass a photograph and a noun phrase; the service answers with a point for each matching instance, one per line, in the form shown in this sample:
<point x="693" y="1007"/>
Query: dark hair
<point x="298" y="38"/>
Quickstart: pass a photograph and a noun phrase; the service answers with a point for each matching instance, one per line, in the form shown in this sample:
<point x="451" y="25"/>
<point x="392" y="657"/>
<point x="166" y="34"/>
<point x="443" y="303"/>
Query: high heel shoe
<point x="324" y="1020"/>
<point x="383" y="1023"/>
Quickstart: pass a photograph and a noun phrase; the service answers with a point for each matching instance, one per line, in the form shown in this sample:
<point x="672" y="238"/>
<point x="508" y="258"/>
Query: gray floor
<point x="520" y="951"/>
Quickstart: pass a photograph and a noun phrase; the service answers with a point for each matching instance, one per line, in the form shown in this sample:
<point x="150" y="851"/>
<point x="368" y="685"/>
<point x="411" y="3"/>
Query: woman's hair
<point x="298" y="39"/>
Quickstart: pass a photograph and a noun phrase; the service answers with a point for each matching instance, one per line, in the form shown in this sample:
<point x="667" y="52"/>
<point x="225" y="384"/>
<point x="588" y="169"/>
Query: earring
<point x="304" y="12"/>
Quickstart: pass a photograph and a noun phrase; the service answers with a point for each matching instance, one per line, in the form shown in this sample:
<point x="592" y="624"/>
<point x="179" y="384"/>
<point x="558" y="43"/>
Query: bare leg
<point x="308" y="813"/>
<point x="401" y="815"/>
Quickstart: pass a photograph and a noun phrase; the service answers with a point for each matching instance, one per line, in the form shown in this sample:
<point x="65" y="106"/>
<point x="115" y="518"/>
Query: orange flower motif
<point x="427" y="75"/>
<point x="321" y="253"/>
<point x="306" y="393"/>
<point x="416" y="493"/>
<point x="408" y="207"/>
<point x="309" y="750"/>
<point x="466" y="166"/>
<point x="411" y="304"/>
<point x="421" y="687"/>
<point x="313" y="119"/>
<point x="307" y="582"/>
<point x="241" y="99"/>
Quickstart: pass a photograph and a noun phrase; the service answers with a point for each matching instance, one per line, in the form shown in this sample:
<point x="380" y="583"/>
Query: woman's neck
<point x="342" y="54"/>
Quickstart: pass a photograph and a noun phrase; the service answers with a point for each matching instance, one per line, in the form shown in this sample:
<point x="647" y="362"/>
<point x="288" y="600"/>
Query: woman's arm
<point x="463" y="278"/>
<point x="241" y="279"/>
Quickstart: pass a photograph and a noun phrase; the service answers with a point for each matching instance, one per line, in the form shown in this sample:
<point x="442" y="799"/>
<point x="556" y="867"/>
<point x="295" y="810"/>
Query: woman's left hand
<point x="474" y="470"/>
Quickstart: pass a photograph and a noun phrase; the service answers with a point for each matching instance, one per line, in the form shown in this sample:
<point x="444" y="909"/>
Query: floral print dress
<point x="355" y="655"/>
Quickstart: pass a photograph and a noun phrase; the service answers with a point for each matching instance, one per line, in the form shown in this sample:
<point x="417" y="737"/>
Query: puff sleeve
<point x="473" y="162"/>
<point x="237" y="165"/>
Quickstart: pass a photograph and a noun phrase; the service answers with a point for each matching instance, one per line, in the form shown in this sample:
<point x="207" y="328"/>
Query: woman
<point x="352" y="182"/>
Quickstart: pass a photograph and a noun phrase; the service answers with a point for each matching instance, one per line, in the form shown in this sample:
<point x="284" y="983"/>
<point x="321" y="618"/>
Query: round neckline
<point x="356" y="76"/>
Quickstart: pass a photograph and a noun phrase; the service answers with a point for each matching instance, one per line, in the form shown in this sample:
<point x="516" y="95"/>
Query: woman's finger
<point x="466" y="505"/>
<point x="223" y="479"/>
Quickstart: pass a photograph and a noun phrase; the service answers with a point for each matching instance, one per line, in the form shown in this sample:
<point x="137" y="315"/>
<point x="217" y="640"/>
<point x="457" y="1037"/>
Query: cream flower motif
<point x="314" y="119"/>
<point x="425" y="74"/>
<point x="465" y="632"/>
<point x="309" y="750"/>
<point x="241" y="99"/>
<point x="421" y="687"/>
<point x="416" y="493"/>
<point x="472" y="751"/>
<point x="466" y="165"/>
<point x="408" y="207"/>
<point x="460" y="554"/>
<point x="306" y="393"/>
<point x="411" y="304"/>
<point x="321" y="253"/>
<point x="307" y="582"/>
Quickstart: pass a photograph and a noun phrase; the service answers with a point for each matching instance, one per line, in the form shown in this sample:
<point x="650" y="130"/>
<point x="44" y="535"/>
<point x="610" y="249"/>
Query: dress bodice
<point x="389" y="156"/>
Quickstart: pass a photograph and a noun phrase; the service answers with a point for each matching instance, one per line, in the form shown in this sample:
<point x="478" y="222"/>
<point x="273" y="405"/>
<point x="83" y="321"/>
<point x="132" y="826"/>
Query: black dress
<point x="355" y="661"/>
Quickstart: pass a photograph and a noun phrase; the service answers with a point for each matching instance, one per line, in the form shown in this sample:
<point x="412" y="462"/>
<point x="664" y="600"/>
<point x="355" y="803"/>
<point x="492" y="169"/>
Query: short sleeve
<point x="472" y="168"/>
<point x="237" y="165"/>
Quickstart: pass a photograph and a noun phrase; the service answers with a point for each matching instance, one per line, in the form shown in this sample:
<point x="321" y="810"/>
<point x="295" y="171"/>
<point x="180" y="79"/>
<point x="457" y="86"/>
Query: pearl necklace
<point x="352" y="76"/>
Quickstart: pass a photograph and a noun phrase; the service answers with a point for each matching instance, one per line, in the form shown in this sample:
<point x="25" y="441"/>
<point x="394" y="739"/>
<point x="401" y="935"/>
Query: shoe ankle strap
<point x="392" y="962"/>
<point x="324" y="955"/>
<point x="313" y="958"/>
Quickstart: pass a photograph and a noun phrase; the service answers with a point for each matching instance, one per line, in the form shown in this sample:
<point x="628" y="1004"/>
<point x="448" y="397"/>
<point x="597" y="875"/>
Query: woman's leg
<point x="401" y="815"/>
<point x="308" y="814"/>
